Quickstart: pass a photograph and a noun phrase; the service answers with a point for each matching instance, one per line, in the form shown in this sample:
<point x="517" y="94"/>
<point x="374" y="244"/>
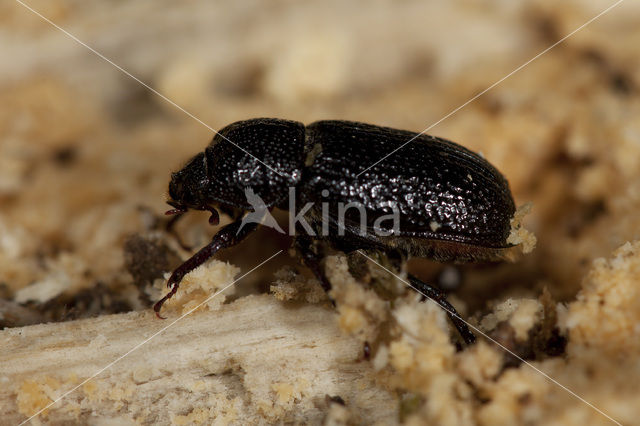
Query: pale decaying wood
<point x="254" y="361"/>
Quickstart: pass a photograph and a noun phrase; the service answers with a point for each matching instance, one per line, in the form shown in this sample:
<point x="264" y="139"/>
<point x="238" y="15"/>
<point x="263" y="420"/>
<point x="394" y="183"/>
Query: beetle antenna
<point x="179" y="210"/>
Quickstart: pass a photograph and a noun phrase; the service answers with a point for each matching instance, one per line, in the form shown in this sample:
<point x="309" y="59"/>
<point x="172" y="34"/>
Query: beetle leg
<point x="170" y="228"/>
<point x="228" y="236"/>
<point x="175" y="217"/>
<point x="214" y="219"/>
<point x="312" y="260"/>
<point x="439" y="297"/>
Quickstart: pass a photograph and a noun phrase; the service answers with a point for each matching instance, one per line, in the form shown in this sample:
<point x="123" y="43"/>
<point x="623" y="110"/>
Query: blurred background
<point x="86" y="151"/>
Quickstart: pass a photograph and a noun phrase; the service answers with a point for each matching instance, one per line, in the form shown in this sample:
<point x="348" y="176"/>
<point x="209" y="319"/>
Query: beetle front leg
<point x="228" y="236"/>
<point x="170" y="228"/>
<point x="439" y="297"/>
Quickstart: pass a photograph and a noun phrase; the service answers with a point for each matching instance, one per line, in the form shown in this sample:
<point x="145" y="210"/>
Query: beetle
<point x="451" y="204"/>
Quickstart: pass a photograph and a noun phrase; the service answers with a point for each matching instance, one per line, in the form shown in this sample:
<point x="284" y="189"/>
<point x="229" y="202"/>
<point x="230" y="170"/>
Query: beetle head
<point x="268" y="162"/>
<point x="188" y="189"/>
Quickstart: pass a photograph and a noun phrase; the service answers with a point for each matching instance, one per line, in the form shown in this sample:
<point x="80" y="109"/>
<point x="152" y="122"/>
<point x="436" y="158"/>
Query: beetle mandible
<point x="452" y="204"/>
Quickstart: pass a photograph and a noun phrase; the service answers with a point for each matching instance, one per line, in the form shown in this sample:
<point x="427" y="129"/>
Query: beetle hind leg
<point x="312" y="259"/>
<point x="439" y="297"/>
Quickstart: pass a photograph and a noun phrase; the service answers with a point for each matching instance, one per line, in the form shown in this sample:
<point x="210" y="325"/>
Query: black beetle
<point x="451" y="204"/>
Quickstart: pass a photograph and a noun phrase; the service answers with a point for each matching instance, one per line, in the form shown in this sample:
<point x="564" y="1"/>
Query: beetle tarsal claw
<point x="158" y="306"/>
<point x="173" y="286"/>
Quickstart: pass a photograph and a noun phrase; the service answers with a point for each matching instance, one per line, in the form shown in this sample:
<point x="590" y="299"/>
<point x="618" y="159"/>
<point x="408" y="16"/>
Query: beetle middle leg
<point x="228" y="236"/>
<point x="439" y="297"/>
<point x="312" y="260"/>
